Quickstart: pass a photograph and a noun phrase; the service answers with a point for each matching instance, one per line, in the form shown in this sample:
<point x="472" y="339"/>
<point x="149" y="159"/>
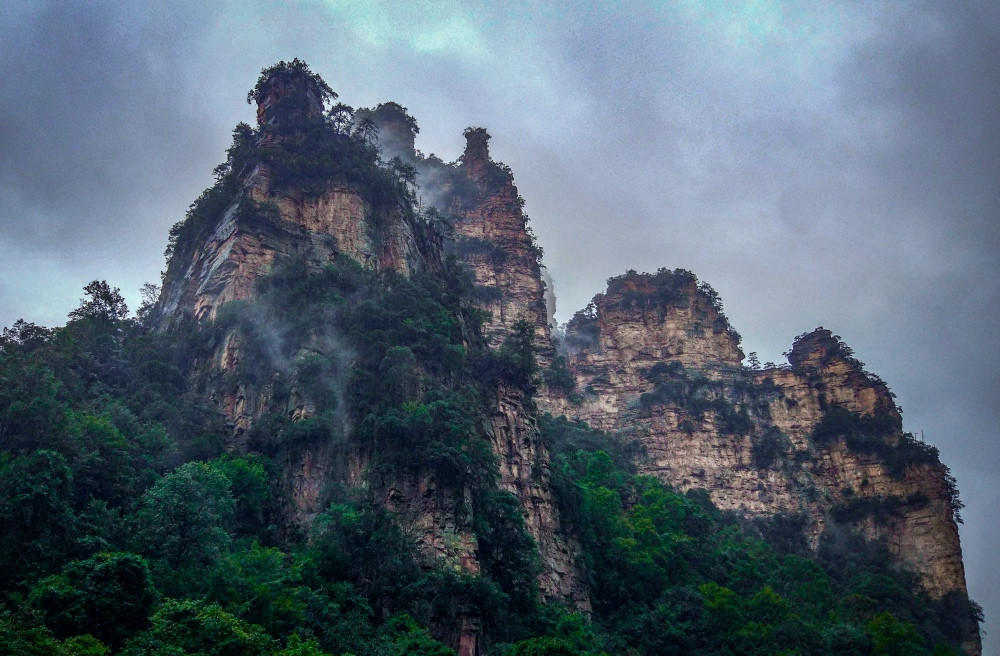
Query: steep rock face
<point x="266" y="223"/>
<point x="921" y="528"/>
<point x="490" y="235"/>
<point x="240" y="250"/>
<point x="705" y="421"/>
<point x="752" y="447"/>
<point x="492" y="238"/>
<point x="824" y="373"/>
<point x="642" y="320"/>
<point x="263" y="225"/>
<point x="523" y="463"/>
<point x="488" y="228"/>
<point x="655" y="360"/>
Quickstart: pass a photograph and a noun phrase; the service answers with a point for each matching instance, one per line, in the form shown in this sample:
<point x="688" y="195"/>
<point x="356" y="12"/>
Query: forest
<point x="130" y="528"/>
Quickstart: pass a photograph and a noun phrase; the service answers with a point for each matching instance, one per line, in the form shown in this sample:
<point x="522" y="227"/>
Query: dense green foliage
<point x="109" y="465"/>
<point x="670" y="574"/>
<point x="694" y="395"/>
<point x="107" y="533"/>
<point x="559" y="377"/>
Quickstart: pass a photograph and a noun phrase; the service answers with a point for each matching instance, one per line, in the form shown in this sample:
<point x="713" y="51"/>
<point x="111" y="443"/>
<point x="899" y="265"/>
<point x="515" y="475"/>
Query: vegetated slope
<point x="316" y="442"/>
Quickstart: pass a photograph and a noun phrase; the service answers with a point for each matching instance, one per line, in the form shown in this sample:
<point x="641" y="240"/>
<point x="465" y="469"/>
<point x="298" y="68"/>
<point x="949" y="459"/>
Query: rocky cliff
<point x="657" y="360"/>
<point x="482" y="214"/>
<point x="263" y="211"/>
<point x="492" y="238"/>
<point x="252" y="220"/>
<point x="653" y="359"/>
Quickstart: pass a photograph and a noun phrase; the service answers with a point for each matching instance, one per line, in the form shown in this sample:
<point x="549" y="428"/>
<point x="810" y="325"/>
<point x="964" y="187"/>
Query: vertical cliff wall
<point x="825" y="383"/>
<point x="654" y="359"/>
<point x="492" y="238"/>
<point x="267" y="208"/>
<point x="257" y="221"/>
<point x="482" y="214"/>
<point x="523" y="462"/>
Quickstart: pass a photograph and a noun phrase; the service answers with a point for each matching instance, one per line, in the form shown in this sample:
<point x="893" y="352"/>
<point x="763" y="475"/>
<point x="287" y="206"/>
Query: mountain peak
<point x="289" y="93"/>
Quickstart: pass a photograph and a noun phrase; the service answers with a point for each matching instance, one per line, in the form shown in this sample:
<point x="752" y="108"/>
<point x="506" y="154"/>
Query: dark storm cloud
<point x="84" y="99"/>
<point x="826" y="164"/>
<point x="98" y="132"/>
<point x="931" y="78"/>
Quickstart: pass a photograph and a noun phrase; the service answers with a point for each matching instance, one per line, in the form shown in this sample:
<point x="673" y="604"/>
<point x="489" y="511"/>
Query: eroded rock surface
<point x="266" y="224"/>
<point x="654" y="359"/>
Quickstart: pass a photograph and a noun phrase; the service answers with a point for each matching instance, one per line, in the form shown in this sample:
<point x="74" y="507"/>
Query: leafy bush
<point x="109" y="595"/>
<point x="874" y="435"/>
<point x="195" y="627"/>
<point x="768" y="447"/>
<point x="558" y="375"/>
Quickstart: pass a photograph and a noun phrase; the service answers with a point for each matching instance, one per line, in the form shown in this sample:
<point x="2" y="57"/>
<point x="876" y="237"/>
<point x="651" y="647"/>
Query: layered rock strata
<point x="492" y="238"/>
<point x="655" y="360"/>
<point x="523" y="463"/>
<point x="263" y="225"/>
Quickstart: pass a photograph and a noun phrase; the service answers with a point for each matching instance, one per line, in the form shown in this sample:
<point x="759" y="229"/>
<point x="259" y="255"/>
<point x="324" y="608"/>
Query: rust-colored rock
<point x="492" y="238"/>
<point x="524" y="471"/>
<point x="263" y="226"/>
<point x="645" y="320"/>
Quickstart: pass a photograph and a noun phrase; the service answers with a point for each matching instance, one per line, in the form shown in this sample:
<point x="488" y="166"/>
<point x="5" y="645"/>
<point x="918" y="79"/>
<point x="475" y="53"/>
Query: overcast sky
<point x="829" y="164"/>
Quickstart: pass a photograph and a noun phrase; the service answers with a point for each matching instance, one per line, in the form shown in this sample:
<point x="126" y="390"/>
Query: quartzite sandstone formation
<point x="487" y="226"/>
<point x="653" y="359"/>
<point x="264" y="224"/>
<point x="491" y="234"/>
<point x="657" y="361"/>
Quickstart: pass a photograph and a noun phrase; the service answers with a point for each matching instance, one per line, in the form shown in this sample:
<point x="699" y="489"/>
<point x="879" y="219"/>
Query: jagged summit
<point x="820" y="439"/>
<point x="397" y="130"/>
<point x="319" y="189"/>
<point x="305" y="185"/>
<point x="476" y="157"/>
<point x="288" y="93"/>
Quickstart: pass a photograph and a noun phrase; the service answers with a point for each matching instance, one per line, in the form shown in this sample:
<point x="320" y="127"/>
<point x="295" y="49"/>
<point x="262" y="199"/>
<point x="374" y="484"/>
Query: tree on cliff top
<point x="288" y="73"/>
